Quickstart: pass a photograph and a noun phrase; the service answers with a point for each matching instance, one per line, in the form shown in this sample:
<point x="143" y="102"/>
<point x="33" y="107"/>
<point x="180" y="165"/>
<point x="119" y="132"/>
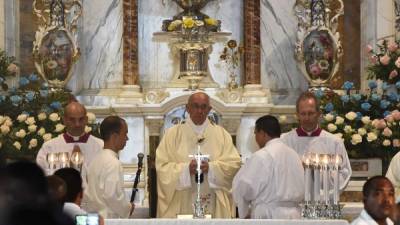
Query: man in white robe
<point x="379" y="202"/>
<point x="308" y="114"/>
<point x="271" y="183"/>
<point x="176" y="184"/>
<point x="105" y="192"/>
<point x="74" y="139"/>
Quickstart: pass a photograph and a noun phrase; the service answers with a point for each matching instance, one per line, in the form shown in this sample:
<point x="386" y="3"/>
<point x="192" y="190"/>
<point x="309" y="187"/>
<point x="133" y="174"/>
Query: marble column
<point x="130" y="42"/>
<point x="253" y="90"/>
<point x="252" y="41"/>
<point x="131" y="88"/>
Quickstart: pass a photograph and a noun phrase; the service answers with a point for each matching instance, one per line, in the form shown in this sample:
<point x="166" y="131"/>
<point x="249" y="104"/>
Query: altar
<point x="222" y="222"/>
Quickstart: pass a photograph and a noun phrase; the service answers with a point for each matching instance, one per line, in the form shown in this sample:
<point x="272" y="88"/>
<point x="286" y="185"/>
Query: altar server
<point x="308" y="114"/>
<point x="105" y="192"/>
<point x="74" y="139"/>
<point x="176" y="171"/>
<point x="271" y="183"/>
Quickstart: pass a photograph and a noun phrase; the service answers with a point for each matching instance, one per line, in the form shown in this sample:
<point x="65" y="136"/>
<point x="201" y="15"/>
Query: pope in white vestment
<point x="271" y="183"/>
<point x="176" y="187"/>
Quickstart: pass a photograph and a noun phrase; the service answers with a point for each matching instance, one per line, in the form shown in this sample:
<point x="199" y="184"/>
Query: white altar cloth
<point x="220" y="222"/>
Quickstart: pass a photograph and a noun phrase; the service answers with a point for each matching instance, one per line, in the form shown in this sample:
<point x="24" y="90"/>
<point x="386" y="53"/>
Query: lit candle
<point x="52" y="160"/>
<point x="317" y="181"/>
<point x="336" y="167"/>
<point x="64" y="159"/>
<point x="325" y="177"/>
<point x="307" y="180"/>
<point x="77" y="160"/>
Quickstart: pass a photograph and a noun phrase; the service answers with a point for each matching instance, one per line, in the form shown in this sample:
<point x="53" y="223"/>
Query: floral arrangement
<point x="189" y="23"/>
<point x="23" y="137"/>
<point x="385" y="61"/>
<point x="231" y="56"/>
<point x="368" y="123"/>
<point x="30" y="113"/>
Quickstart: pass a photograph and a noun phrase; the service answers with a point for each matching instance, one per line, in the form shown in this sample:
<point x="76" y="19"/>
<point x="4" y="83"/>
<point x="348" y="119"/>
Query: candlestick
<point x="317" y="181"/>
<point x="77" y="160"/>
<point x="336" y="167"/>
<point x="52" y="160"/>
<point x="64" y="159"/>
<point x="325" y="176"/>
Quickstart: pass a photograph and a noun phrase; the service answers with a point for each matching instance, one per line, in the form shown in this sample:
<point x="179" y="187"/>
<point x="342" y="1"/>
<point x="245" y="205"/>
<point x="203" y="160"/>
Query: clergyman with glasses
<point x="309" y="134"/>
<point x="176" y="171"/>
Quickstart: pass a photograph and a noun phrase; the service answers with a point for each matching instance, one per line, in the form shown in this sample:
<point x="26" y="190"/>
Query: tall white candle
<point x="307" y="183"/>
<point x="325" y="177"/>
<point x="336" y="167"/>
<point x="317" y="181"/>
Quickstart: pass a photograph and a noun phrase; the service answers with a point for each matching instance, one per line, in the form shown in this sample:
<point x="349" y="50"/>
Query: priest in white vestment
<point x="105" y="192"/>
<point x="176" y="184"/>
<point x="74" y="139"/>
<point x="301" y="139"/>
<point x="271" y="183"/>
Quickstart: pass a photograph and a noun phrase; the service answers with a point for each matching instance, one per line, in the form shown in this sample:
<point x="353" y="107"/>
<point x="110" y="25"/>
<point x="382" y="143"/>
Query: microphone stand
<point x="137" y="177"/>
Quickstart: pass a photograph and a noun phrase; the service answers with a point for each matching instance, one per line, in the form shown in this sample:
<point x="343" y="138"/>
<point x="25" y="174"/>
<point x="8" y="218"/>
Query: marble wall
<point x="2" y="38"/>
<point x="101" y="44"/>
<point x="279" y="71"/>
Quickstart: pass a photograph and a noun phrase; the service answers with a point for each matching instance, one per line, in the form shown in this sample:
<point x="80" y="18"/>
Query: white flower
<point x="386" y="142"/>
<point x="8" y="122"/>
<point x="387" y="132"/>
<point x="339" y="120"/>
<point x="332" y="127"/>
<point x="42" y="116"/>
<point x="329" y="117"/>
<point x="362" y="131"/>
<point x="54" y="117"/>
<point x="32" y="128"/>
<point x="41" y="131"/>
<point x="59" y="127"/>
<point x="366" y="120"/>
<point x="12" y="68"/>
<point x="21" y="133"/>
<point x="356" y="139"/>
<point x="32" y="143"/>
<point x="2" y="119"/>
<point x="371" y="136"/>
<point x="351" y="116"/>
<point x="47" y="137"/>
<point x="91" y="117"/>
<point x="347" y="129"/>
<point x="30" y="120"/>
<point x="88" y="129"/>
<point x="4" y="129"/>
<point x="22" y="117"/>
<point x="17" y="145"/>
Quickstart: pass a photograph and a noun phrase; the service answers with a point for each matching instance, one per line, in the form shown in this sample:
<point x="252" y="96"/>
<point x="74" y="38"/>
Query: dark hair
<point x="305" y="96"/>
<point x="73" y="180"/>
<point x="57" y="189"/>
<point x="370" y="184"/>
<point x="110" y="125"/>
<point x="270" y="125"/>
